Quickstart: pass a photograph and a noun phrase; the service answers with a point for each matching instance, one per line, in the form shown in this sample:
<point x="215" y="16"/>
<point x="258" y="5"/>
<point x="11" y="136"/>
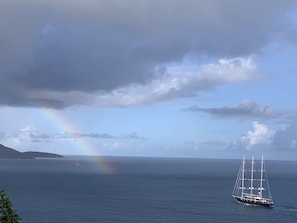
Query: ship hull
<point x="251" y="202"/>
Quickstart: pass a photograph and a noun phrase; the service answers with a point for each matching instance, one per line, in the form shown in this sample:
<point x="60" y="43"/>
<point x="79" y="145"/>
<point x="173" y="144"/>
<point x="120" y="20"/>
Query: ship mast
<point x="261" y="179"/>
<point x="242" y="177"/>
<point x="252" y="176"/>
<point x="252" y="193"/>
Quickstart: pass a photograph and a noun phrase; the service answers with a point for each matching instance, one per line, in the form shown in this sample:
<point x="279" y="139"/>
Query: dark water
<point x="143" y="190"/>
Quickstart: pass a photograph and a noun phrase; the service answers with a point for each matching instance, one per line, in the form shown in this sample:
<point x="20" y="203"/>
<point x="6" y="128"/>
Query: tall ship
<point x="251" y="185"/>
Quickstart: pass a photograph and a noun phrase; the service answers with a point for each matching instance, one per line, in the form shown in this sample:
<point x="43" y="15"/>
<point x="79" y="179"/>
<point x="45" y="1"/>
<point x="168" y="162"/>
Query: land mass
<point x="9" y="153"/>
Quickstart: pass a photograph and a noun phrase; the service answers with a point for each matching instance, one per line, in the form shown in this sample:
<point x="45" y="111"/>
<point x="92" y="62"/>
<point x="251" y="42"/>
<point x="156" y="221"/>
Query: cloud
<point x="21" y="138"/>
<point x="262" y="138"/>
<point x="259" y="135"/>
<point x="30" y="137"/>
<point x="245" y="109"/>
<point x="2" y="135"/>
<point x="259" y="138"/>
<point x="102" y="48"/>
<point x="178" y="81"/>
<point x="77" y="135"/>
<point x="40" y="136"/>
<point x="286" y="138"/>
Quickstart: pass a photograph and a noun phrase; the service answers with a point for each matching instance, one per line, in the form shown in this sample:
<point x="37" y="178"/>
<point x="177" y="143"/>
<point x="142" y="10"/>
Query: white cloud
<point x="281" y="141"/>
<point x="259" y="134"/>
<point x="28" y="129"/>
<point x="180" y="81"/>
<point x="187" y="81"/>
<point x="260" y="137"/>
<point x="19" y="140"/>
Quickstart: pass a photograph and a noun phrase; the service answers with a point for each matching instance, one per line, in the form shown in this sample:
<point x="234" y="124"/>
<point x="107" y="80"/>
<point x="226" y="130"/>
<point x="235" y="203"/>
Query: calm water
<point x="142" y="190"/>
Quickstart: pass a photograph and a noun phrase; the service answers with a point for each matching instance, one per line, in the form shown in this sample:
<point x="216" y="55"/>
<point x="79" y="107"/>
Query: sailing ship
<point x="251" y="185"/>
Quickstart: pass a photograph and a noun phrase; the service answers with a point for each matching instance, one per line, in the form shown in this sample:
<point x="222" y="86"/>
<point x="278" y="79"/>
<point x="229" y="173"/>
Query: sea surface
<point x="141" y="190"/>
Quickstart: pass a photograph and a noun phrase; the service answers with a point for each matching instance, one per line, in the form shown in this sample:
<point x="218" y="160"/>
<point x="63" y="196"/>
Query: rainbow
<point x="80" y="143"/>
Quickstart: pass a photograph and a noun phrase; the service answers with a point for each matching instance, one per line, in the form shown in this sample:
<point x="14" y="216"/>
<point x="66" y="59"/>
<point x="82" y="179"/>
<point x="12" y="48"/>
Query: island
<point x="9" y="153"/>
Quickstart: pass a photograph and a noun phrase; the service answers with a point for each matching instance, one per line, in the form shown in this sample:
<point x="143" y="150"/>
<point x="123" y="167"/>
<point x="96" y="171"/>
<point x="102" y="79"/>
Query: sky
<point x="172" y="78"/>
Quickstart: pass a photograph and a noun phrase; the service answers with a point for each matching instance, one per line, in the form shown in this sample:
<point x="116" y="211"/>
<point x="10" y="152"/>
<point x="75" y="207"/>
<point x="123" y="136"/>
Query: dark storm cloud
<point x="245" y="109"/>
<point x="98" y="46"/>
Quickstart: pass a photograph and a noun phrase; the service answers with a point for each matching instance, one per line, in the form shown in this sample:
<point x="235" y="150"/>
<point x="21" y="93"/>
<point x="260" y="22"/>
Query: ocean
<point x="141" y="190"/>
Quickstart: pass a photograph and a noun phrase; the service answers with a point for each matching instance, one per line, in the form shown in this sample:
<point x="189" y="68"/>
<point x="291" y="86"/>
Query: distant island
<point x="8" y="153"/>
